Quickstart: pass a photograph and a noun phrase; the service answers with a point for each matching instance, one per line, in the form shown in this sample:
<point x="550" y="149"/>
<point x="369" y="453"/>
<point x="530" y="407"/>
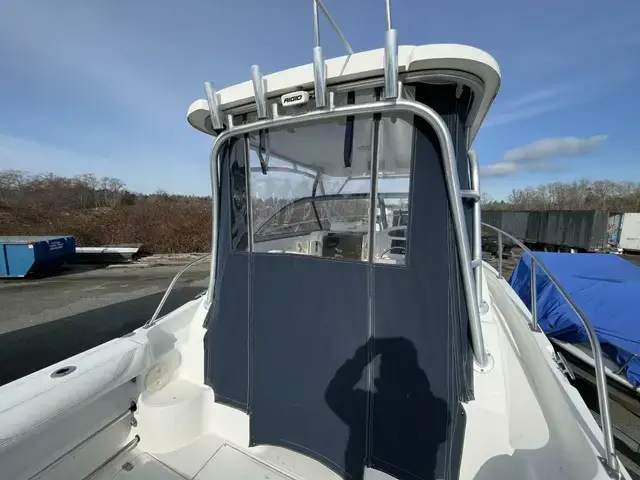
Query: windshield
<point x="310" y="186"/>
<point x="341" y="212"/>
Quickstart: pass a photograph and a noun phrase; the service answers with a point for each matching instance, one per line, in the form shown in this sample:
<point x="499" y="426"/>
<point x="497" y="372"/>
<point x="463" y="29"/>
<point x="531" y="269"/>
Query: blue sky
<point x="103" y="86"/>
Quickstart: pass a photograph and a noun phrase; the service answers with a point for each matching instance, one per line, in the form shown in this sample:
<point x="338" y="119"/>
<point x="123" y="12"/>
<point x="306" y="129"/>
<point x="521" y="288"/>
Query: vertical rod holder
<point x="214" y="106"/>
<point x="319" y="72"/>
<point x="319" y="78"/>
<point x="258" y="91"/>
<point x="391" y="64"/>
<point x="390" y="57"/>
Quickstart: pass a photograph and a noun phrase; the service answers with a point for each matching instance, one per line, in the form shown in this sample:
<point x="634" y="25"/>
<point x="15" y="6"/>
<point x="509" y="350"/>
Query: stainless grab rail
<point x="477" y="230"/>
<point x="154" y="318"/>
<point x="601" y="379"/>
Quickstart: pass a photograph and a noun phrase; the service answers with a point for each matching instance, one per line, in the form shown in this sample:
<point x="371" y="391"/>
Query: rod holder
<point x="258" y="92"/>
<point x="319" y="78"/>
<point x="214" y="106"/>
<point x="391" y="64"/>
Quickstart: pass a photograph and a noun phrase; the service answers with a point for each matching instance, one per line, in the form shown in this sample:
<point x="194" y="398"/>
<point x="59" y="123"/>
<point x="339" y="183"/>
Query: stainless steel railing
<point x="476" y="235"/>
<point x="154" y="318"/>
<point x="601" y="378"/>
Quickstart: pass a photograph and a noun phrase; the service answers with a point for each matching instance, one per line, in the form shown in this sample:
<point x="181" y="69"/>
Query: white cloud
<point x="536" y="156"/>
<point x="553" y="148"/>
<point x="541" y="101"/>
<point x="499" y="169"/>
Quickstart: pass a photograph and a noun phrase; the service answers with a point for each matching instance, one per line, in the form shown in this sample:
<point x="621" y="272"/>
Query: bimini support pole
<point x="319" y="72"/>
<point x="390" y="58"/>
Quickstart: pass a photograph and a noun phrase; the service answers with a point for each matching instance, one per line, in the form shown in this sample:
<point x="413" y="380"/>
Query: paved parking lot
<point x="44" y="321"/>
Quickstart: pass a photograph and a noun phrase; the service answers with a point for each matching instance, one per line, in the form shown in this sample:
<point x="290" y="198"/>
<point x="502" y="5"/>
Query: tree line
<point x="102" y="211"/>
<point x="579" y="195"/>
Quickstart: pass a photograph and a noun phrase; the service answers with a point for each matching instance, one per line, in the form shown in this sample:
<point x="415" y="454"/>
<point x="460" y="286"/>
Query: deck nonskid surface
<point x="227" y="462"/>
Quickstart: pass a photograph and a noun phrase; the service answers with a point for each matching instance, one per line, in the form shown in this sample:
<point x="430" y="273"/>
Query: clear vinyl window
<point x="310" y="188"/>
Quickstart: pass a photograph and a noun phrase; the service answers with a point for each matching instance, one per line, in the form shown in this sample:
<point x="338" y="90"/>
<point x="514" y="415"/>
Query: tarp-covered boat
<point x="604" y="286"/>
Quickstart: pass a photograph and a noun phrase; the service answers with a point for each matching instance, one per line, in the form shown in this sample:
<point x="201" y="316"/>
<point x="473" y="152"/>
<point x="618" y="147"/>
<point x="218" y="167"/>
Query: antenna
<point x="334" y="25"/>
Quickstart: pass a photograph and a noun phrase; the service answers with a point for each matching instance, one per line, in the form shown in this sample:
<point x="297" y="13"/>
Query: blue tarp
<point x="604" y="286"/>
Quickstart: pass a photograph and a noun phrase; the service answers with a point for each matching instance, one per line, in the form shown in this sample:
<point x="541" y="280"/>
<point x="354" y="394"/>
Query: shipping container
<point x="581" y="230"/>
<point x="563" y="230"/>
<point x="22" y="256"/>
<point x="534" y="219"/>
<point x="630" y="233"/>
<point x="514" y="223"/>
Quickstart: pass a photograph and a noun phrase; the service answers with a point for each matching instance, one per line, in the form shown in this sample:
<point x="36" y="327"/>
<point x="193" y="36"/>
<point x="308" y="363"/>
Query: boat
<point x="605" y="288"/>
<point x="350" y="328"/>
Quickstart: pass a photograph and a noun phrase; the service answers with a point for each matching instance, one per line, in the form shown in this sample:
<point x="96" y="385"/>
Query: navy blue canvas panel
<point x="453" y="110"/>
<point x="309" y="317"/>
<point x="353" y="364"/>
<point x="452" y="105"/>
<point x="418" y="350"/>
<point x="225" y="342"/>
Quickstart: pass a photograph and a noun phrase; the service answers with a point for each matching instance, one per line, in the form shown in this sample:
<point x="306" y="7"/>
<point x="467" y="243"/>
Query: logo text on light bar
<point x="294" y="98"/>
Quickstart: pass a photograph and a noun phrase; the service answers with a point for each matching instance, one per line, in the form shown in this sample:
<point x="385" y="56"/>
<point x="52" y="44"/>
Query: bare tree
<point x="579" y="195"/>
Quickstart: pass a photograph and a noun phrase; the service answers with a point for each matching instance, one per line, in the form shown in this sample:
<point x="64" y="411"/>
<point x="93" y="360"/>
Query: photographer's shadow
<point x="407" y="423"/>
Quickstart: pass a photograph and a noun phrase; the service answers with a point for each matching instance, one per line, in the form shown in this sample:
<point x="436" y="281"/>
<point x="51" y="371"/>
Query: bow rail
<point x="601" y="378"/>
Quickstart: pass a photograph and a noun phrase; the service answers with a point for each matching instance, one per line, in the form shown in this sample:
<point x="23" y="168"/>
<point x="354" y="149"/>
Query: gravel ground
<point x="44" y="321"/>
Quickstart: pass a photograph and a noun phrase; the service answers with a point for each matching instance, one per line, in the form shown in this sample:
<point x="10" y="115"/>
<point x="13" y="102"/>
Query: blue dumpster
<point x="20" y="256"/>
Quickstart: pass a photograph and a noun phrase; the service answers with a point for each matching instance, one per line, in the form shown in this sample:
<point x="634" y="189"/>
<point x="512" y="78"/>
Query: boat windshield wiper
<point x="316" y="182"/>
<point x="263" y="145"/>
<point x="348" y="132"/>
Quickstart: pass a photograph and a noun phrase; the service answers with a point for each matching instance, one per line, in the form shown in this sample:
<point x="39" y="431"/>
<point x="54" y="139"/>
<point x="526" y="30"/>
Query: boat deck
<point x="226" y="462"/>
